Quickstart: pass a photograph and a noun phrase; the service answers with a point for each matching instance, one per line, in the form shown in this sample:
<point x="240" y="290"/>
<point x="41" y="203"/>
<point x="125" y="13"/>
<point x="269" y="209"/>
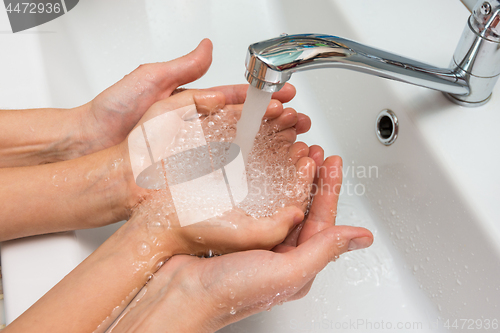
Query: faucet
<point x="474" y="69"/>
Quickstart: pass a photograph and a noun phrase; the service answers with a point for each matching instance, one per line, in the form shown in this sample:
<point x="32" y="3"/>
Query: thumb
<point x="150" y="83"/>
<point x="125" y="102"/>
<point x="326" y="246"/>
<point x="167" y="76"/>
<point x="187" y="68"/>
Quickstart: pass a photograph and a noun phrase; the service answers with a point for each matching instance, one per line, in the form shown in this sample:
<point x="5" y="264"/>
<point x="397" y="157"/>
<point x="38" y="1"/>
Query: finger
<point x="324" y="206"/>
<point x="290" y="242"/>
<point x="203" y="100"/>
<point x="287" y="135"/>
<point x="286" y="94"/>
<point x="303" y="124"/>
<point x="305" y="174"/>
<point x="305" y="171"/>
<point x="274" y="110"/>
<point x="160" y="79"/>
<point x="288" y="118"/>
<point x="270" y="232"/>
<point x="136" y="92"/>
<point x="239" y="232"/>
<point x="185" y="69"/>
<point x="312" y="256"/>
<point x="298" y="266"/>
<point x="317" y="154"/>
<point x="329" y="182"/>
<point x="297" y="151"/>
<point x="236" y="94"/>
<point x="208" y="102"/>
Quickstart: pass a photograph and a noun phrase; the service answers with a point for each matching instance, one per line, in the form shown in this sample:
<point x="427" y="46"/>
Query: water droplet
<point x="143" y="248"/>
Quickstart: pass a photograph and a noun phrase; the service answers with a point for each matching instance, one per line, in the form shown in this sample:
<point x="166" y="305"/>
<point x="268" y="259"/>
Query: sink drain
<point x="387" y="127"/>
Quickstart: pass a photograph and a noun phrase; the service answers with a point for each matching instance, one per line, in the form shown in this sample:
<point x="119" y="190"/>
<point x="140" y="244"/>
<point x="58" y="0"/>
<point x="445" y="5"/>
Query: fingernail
<point x="359" y="243"/>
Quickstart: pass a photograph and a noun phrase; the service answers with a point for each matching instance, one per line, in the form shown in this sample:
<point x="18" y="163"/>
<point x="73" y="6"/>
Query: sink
<point x="431" y="197"/>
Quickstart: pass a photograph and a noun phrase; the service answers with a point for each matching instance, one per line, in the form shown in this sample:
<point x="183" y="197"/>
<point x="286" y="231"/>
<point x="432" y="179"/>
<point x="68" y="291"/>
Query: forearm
<point x="107" y="279"/>
<point x="86" y="192"/>
<point x="177" y="311"/>
<point x="38" y="136"/>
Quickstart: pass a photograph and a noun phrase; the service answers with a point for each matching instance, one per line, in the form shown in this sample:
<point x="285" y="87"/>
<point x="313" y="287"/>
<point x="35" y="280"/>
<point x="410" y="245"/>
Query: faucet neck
<point x="271" y="63"/>
<point x="477" y="57"/>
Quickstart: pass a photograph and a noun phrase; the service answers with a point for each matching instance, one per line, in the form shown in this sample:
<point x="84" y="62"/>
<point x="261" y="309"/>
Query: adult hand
<point x="109" y="118"/>
<point x="190" y="294"/>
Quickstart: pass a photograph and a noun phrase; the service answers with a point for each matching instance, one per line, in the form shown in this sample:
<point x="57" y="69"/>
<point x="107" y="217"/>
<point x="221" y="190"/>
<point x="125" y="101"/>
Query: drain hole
<point x="385" y="127"/>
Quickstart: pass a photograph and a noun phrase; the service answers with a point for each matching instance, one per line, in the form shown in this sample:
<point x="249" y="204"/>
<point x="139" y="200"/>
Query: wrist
<point x="129" y="194"/>
<point x="67" y="143"/>
<point x="190" y="306"/>
<point x="86" y="130"/>
<point x="70" y="144"/>
<point x="153" y="233"/>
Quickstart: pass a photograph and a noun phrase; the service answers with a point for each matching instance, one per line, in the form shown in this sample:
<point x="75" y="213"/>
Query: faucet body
<point x="469" y="81"/>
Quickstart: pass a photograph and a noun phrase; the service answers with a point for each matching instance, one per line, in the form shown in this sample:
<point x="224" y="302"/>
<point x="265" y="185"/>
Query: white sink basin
<point x="432" y="204"/>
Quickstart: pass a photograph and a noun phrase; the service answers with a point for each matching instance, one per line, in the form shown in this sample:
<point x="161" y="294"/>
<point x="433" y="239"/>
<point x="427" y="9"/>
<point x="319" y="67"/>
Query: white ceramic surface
<point x="432" y="205"/>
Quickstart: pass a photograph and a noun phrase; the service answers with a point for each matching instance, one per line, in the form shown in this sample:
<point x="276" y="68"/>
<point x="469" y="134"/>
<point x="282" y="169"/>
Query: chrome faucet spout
<point x="271" y="63"/>
<point x="469" y="81"/>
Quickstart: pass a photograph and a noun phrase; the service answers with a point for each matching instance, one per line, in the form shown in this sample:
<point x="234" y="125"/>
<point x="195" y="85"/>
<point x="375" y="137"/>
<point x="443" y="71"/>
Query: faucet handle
<point x="485" y="19"/>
